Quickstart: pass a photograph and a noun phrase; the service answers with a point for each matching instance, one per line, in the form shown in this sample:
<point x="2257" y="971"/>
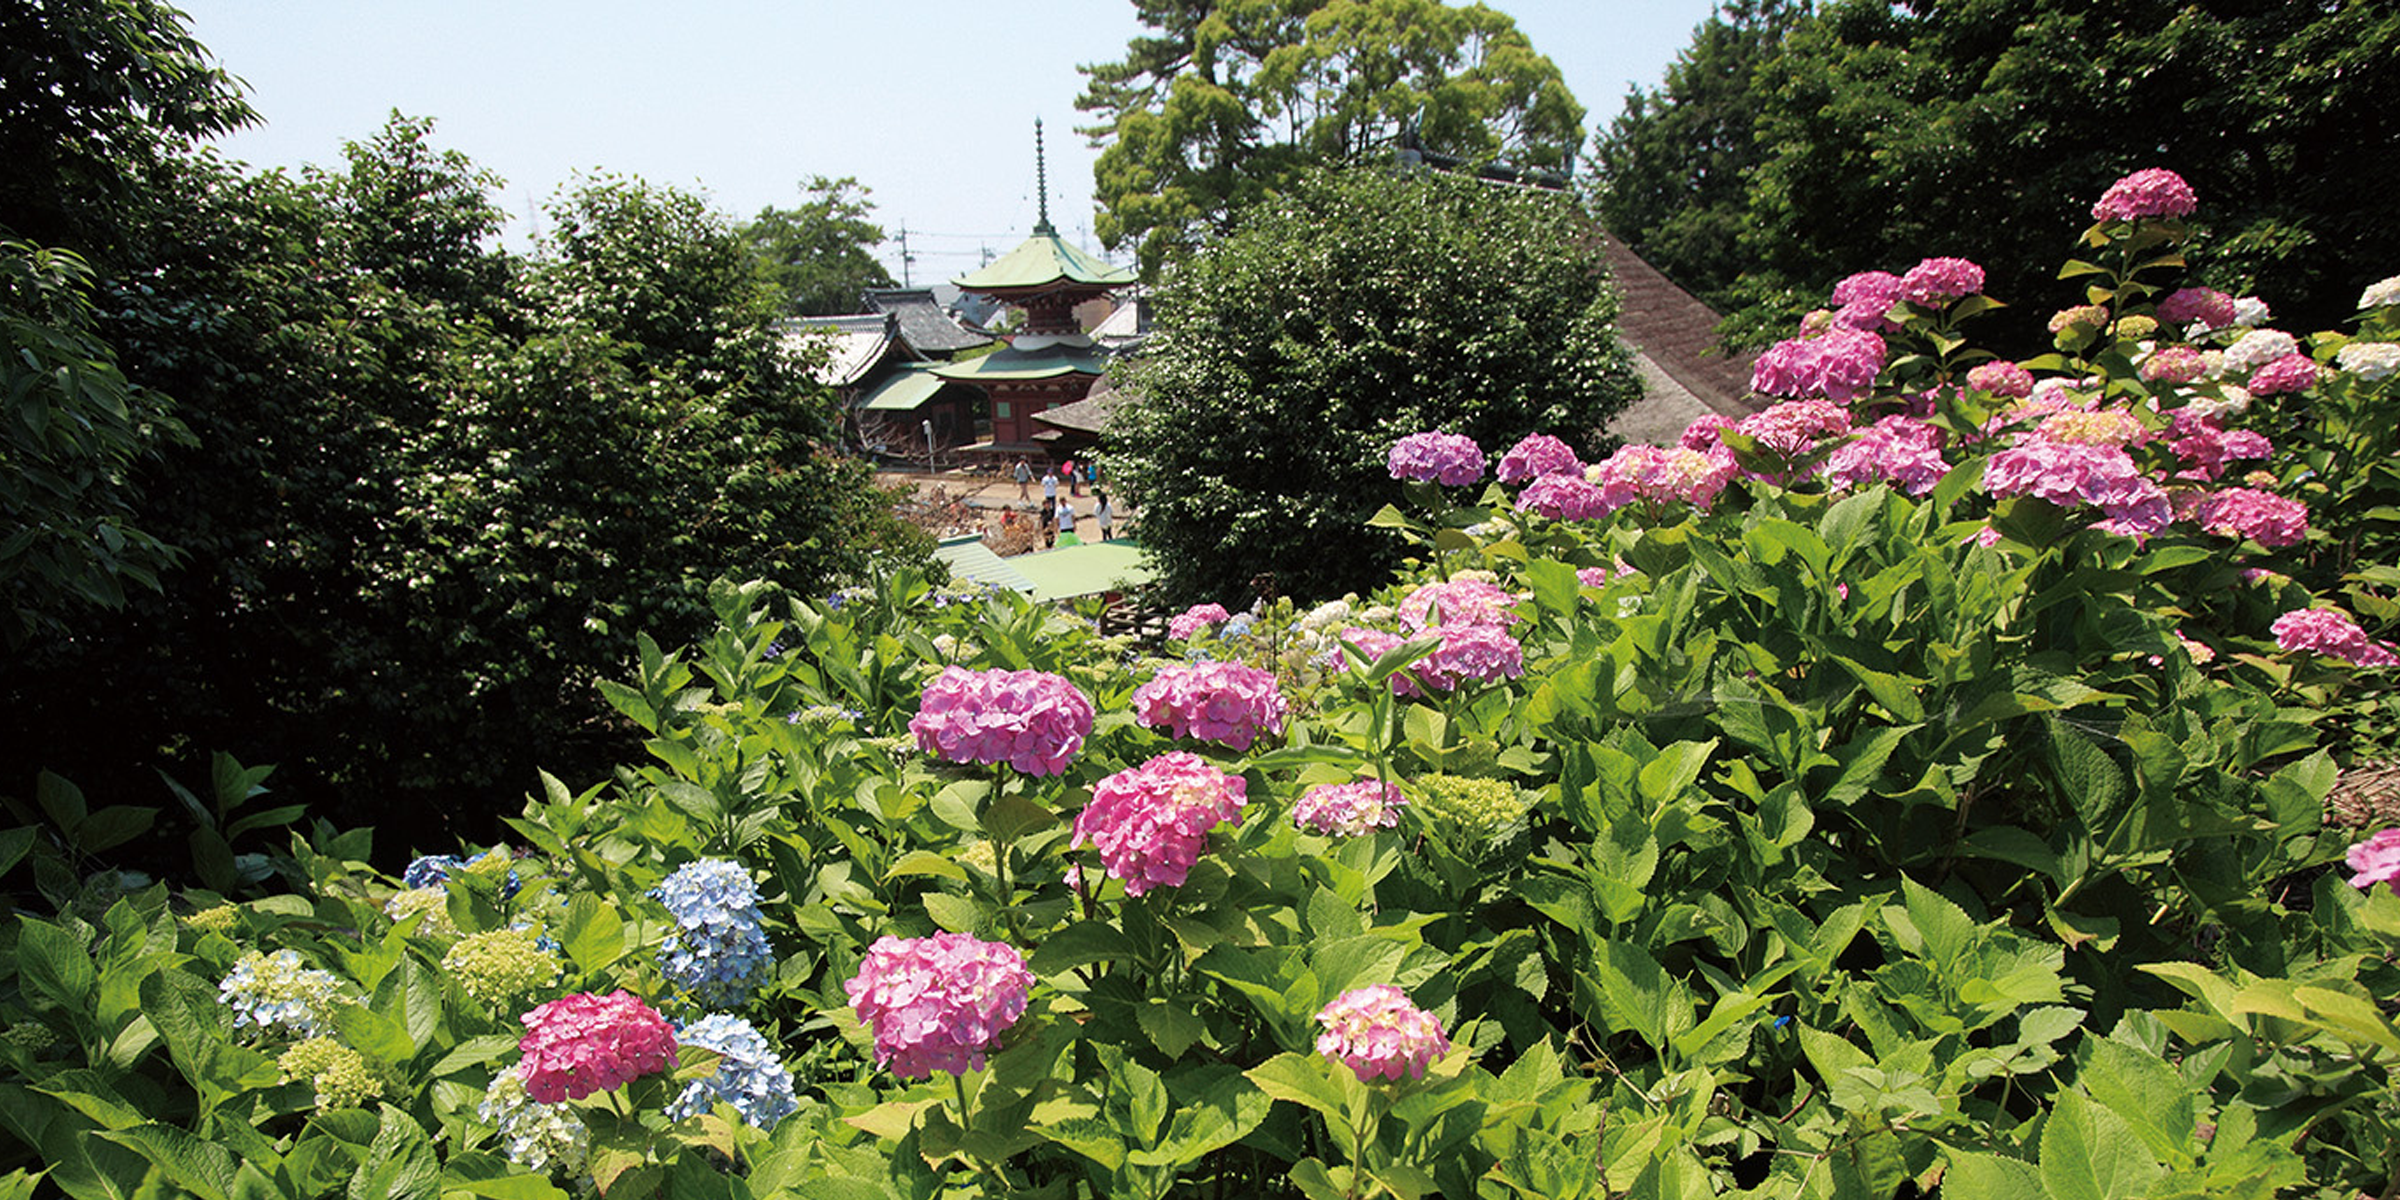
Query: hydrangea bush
<point x="1916" y="785"/>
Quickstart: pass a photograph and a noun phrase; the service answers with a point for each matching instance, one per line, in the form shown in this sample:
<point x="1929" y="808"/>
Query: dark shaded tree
<point x="1358" y="307"/>
<point x="92" y="94"/>
<point x="1980" y="128"/>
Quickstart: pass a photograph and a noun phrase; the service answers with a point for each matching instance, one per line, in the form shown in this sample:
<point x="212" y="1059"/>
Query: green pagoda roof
<point x="1045" y="260"/>
<point x="1048" y="362"/>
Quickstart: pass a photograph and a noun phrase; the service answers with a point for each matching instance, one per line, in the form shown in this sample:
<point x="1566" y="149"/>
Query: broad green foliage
<point x="1358" y="307"/>
<point x="821" y="254"/>
<point x="1883" y="133"/>
<point x="1231" y="103"/>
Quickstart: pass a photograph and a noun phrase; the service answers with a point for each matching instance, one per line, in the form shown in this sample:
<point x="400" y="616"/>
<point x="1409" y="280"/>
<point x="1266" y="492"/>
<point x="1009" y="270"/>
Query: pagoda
<point x="1051" y="361"/>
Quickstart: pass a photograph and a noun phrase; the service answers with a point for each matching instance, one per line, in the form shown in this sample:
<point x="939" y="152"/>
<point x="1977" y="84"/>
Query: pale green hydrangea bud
<point x="223" y="918"/>
<point x="982" y="856"/>
<point x="1480" y="809"/>
<point x="433" y="902"/>
<point x="501" y="965"/>
<point x="339" y="1072"/>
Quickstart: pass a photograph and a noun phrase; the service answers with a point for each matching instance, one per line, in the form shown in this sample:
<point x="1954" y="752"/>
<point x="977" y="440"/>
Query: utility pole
<point x="905" y="257"/>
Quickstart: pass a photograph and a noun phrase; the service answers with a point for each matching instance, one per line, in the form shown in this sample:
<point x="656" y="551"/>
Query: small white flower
<point x="2380" y="293"/>
<point x="2249" y="311"/>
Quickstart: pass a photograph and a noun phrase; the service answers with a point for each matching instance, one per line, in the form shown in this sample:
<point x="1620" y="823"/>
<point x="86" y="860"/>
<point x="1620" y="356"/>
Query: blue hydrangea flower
<point x="1237" y="625"/>
<point x="434" y="870"/>
<point x="748" y="1077"/>
<point x="718" y="951"/>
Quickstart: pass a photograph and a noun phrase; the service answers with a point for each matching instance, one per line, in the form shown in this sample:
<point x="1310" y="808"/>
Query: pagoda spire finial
<point x="1041" y="180"/>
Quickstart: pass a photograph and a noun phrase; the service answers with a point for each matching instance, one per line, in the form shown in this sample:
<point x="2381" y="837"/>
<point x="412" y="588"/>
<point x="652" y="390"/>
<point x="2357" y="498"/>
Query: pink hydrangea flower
<point x="1374" y="643"/>
<point x="2376" y="860"/>
<point x="1795" y="426"/>
<point x="2205" y="449"/>
<point x="1459" y="602"/>
<point x="1538" y="454"/>
<point x="2002" y="379"/>
<point x="580" y="1044"/>
<point x="1868" y="287"/>
<point x="1468" y="654"/>
<point x="1840" y="365"/>
<point x="2151" y="192"/>
<point x="1223" y="702"/>
<point x="1666" y="475"/>
<point x="2331" y="632"/>
<point x="2291" y="373"/>
<point x="2175" y="364"/>
<point x="1187" y="624"/>
<point x="2070" y="473"/>
<point x="2205" y="307"/>
<point x="1151" y="822"/>
<point x="1437" y="458"/>
<point x="2092" y="427"/>
<point x="1563" y="498"/>
<point x="2088" y="316"/>
<point x="1031" y="720"/>
<point x="1379" y="1034"/>
<point x="1899" y="449"/>
<point x="1703" y="433"/>
<point x="1594" y="577"/>
<point x="2264" y="517"/>
<point x="938" y="1003"/>
<point x="1348" y="809"/>
<point x="1938" y="281"/>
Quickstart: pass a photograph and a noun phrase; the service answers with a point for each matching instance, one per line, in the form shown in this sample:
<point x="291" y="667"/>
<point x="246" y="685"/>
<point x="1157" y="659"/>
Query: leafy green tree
<point x="92" y="94"/>
<point x="820" y="255"/>
<point x="436" y="488"/>
<point x="72" y="432"/>
<point x="1672" y="170"/>
<point x="1890" y="132"/>
<point x="1231" y="101"/>
<point x="1358" y="307"/>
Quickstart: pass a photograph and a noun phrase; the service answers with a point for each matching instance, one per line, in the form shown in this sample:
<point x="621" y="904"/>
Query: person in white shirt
<point x="1102" y="513"/>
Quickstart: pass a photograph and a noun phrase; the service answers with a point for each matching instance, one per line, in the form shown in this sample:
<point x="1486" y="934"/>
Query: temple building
<point x="1050" y="361"/>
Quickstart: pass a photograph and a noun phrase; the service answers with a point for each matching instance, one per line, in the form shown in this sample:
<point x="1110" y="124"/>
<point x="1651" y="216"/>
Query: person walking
<point x="1074" y="478"/>
<point x="1105" y="515"/>
<point x="1050" y="487"/>
<point x="1049" y="523"/>
<point x="1024" y="477"/>
<point x="1066" y="520"/>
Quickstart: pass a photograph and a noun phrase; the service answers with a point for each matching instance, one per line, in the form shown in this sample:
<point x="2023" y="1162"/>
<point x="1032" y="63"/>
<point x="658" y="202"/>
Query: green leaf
<point x="1012" y="816"/>
<point x="2090" y="1153"/>
<point x="55" y="963"/>
<point x="203" y="1168"/>
<point x="399" y="1164"/>
<point x="1171" y="1025"/>
<point x="113" y="826"/>
<point x="370" y="1032"/>
<point x="61" y="799"/>
<point x="593" y="934"/>
<point x="956" y="914"/>
<point x="2141" y="1088"/>
<point x="926" y="862"/>
<point x="1304" y="1080"/>
<point x="1991" y="1177"/>
<point x="1080" y="944"/>
<point x="1641" y="998"/>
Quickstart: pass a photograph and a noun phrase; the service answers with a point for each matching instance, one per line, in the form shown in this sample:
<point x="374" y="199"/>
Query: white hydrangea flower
<point x="2259" y="347"/>
<point x="1332" y="612"/>
<point x="534" y="1135"/>
<point x="2380" y="293"/>
<point x="2250" y="312"/>
<point x="2372" y="360"/>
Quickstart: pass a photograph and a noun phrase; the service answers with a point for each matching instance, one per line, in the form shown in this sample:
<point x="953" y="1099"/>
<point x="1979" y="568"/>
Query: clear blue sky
<point x="929" y="103"/>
